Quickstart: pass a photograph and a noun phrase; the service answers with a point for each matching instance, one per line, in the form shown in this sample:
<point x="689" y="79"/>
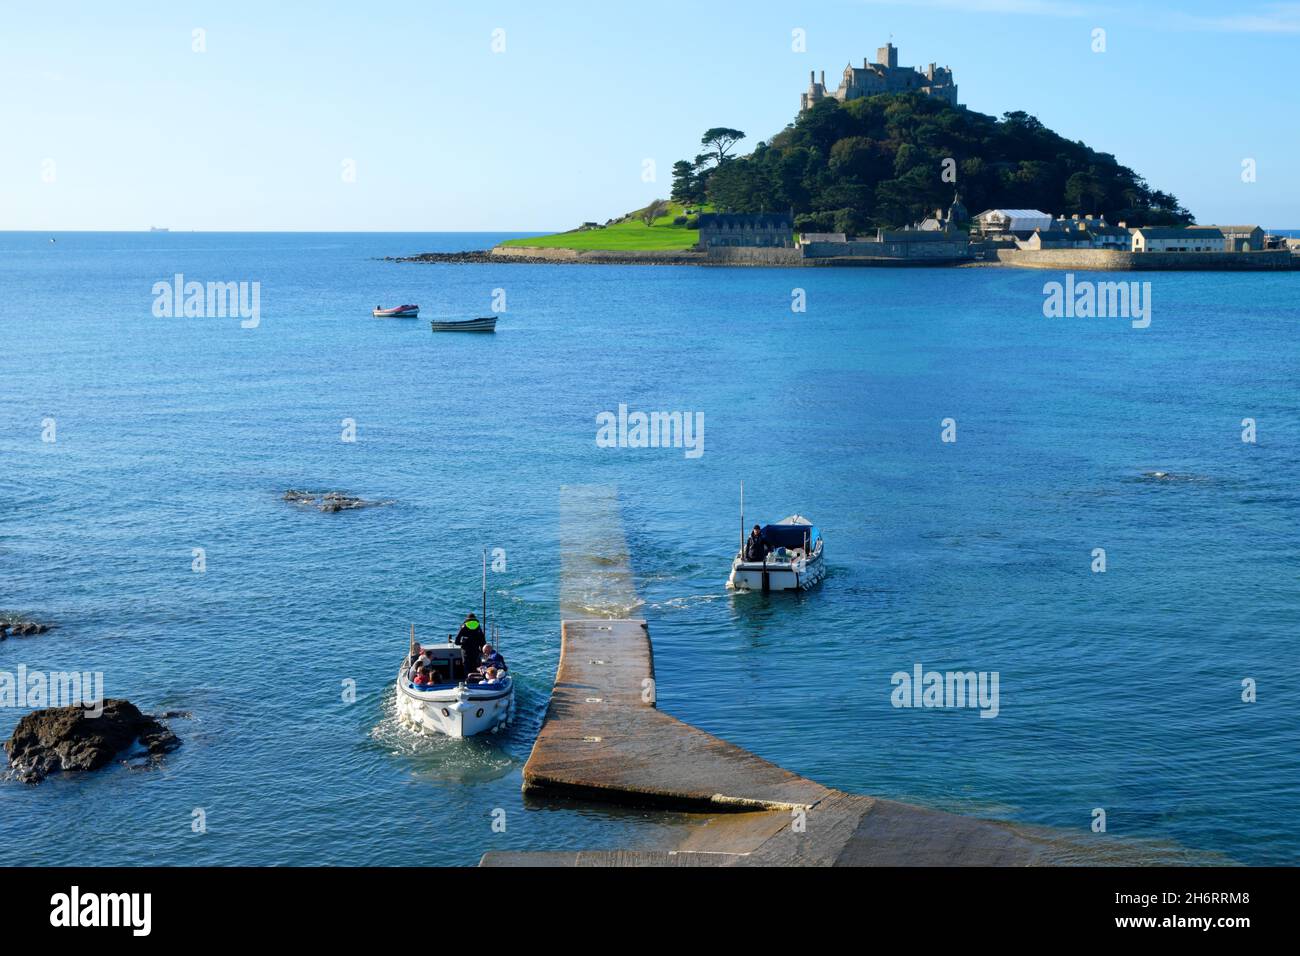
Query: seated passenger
<point x="424" y="659"/>
<point x="491" y="675"/>
<point x="422" y="677"/>
<point x="491" y="658"/>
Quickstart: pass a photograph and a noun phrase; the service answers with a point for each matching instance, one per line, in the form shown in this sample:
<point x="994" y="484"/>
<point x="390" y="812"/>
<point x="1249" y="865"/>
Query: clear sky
<point x="112" y="120"/>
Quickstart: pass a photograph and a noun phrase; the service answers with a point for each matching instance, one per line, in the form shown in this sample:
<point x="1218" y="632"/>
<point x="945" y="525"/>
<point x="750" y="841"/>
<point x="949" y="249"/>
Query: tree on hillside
<point x="720" y="140"/>
<point x="688" y="187"/>
<point x="653" y="211"/>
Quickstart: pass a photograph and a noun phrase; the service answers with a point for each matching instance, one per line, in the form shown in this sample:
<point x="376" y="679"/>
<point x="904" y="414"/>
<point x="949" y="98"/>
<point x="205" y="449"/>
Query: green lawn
<point x="629" y="233"/>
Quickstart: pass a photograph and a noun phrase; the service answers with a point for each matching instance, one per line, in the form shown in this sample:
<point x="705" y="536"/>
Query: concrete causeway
<point x="604" y="739"/>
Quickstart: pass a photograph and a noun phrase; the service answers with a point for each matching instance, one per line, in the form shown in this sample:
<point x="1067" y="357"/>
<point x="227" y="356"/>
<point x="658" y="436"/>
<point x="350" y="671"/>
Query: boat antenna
<point x="485" y="590"/>
<point x="742" y="519"/>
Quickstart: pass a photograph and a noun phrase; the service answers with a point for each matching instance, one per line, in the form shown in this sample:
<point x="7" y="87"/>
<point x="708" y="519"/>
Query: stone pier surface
<point x="604" y="739"/>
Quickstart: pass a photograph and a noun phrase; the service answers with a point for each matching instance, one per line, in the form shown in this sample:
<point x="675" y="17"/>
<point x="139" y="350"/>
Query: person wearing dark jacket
<point x="471" y="640"/>
<point x="756" y="548"/>
<point x="491" y="658"/>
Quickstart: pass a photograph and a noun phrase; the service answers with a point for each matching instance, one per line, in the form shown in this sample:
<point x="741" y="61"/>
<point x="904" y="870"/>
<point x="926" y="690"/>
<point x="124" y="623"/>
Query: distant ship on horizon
<point x="159" y="229"/>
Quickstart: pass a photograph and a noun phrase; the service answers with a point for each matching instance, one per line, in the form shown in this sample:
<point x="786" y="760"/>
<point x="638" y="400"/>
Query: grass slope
<point x="627" y="234"/>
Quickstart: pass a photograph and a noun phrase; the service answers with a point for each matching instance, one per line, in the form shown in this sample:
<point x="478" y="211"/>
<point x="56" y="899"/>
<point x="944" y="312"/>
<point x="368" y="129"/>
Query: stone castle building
<point x="883" y="76"/>
<point x="746" y="229"/>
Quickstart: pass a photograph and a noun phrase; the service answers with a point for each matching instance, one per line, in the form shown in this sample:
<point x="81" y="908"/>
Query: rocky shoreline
<point x="1102" y="260"/>
<point x="483" y="256"/>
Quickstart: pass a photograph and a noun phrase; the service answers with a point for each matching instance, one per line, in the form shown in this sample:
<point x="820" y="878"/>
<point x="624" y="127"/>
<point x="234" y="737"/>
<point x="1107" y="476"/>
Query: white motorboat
<point x="448" y="698"/>
<point x="791" y="556"/>
<point x="454" y="705"/>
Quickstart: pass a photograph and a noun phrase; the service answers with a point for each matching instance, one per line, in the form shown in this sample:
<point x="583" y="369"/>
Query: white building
<point x="1002" y="221"/>
<point x="1178" y="239"/>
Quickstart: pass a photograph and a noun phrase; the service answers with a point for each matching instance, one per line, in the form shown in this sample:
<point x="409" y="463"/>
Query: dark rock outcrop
<point x="330" y="502"/>
<point x="70" y="738"/>
<point x="14" y="626"/>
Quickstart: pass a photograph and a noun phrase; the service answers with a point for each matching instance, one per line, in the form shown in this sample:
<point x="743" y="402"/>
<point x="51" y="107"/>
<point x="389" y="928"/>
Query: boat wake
<point x="438" y="757"/>
<point x="689" y="601"/>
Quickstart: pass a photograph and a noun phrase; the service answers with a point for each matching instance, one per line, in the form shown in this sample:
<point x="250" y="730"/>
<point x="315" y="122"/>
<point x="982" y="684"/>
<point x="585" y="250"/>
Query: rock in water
<point x="330" y="502"/>
<point x="69" y="738"/>
<point x="16" y="626"/>
<point x="334" y="501"/>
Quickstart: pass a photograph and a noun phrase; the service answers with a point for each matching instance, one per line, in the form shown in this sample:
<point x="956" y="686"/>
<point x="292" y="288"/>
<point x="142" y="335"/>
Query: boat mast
<point x="485" y="591"/>
<point x="742" y="520"/>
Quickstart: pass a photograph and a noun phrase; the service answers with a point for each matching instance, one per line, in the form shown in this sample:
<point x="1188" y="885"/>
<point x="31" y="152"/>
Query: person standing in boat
<point x="756" y="548"/>
<point x="471" y="640"/>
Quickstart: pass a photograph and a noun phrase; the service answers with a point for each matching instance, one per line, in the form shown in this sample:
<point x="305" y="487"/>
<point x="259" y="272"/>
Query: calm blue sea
<point x="1119" y="690"/>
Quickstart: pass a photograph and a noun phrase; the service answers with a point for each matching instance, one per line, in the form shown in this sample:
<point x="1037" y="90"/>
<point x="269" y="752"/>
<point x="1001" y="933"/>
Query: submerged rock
<point x="338" y="502"/>
<point x="329" y="502"/>
<point x="70" y="738"/>
<point x="17" y="626"/>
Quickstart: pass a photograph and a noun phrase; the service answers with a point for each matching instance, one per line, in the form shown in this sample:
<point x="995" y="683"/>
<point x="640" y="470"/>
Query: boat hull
<point x="456" y="712"/>
<point x="385" y="314"/>
<point x="487" y="323"/>
<point x="781" y="576"/>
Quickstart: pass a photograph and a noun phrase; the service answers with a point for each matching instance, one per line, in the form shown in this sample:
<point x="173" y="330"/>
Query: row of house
<point x="1035" y="229"/>
<point x="776" y="231"/>
<point x="944" y="235"/>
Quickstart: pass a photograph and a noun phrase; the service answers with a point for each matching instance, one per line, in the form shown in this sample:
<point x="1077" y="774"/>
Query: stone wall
<point x="1114" y="261"/>
<point x="890" y="249"/>
<point x="754" y="256"/>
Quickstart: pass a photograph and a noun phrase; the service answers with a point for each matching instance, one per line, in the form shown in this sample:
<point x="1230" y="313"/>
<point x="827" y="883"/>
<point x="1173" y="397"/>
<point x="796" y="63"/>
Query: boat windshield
<point x="442" y="666"/>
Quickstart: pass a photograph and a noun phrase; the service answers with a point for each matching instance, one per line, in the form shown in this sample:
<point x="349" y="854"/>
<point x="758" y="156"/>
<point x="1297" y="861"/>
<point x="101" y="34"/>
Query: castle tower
<point x="887" y="55"/>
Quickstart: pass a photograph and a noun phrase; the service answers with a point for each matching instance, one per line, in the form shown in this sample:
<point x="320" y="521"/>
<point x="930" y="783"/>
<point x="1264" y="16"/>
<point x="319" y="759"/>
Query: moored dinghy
<point x="397" y="312"/>
<point x="484" y="323"/>
<point x="785" y="556"/>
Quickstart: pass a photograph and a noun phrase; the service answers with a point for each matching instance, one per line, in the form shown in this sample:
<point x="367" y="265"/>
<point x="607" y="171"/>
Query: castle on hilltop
<point x="883" y="76"/>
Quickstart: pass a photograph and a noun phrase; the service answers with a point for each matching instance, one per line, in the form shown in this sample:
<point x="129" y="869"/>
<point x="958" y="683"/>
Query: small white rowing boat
<point x="397" y="312"/>
<point x="486" y="323"/>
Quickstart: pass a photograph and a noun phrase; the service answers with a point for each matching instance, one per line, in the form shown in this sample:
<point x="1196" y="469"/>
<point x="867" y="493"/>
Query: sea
<point x="1102" y="515"/>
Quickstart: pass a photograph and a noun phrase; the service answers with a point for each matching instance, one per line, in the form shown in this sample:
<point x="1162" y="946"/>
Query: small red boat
<point x="397" y="312"/>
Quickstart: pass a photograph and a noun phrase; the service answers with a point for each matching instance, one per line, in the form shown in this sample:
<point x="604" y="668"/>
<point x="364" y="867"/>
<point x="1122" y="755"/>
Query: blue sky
<point x="132" y="127"/>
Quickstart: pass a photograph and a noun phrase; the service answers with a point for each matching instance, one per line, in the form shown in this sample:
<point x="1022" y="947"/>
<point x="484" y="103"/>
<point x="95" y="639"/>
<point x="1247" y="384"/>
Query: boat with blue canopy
<point x="786" y="555"/>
